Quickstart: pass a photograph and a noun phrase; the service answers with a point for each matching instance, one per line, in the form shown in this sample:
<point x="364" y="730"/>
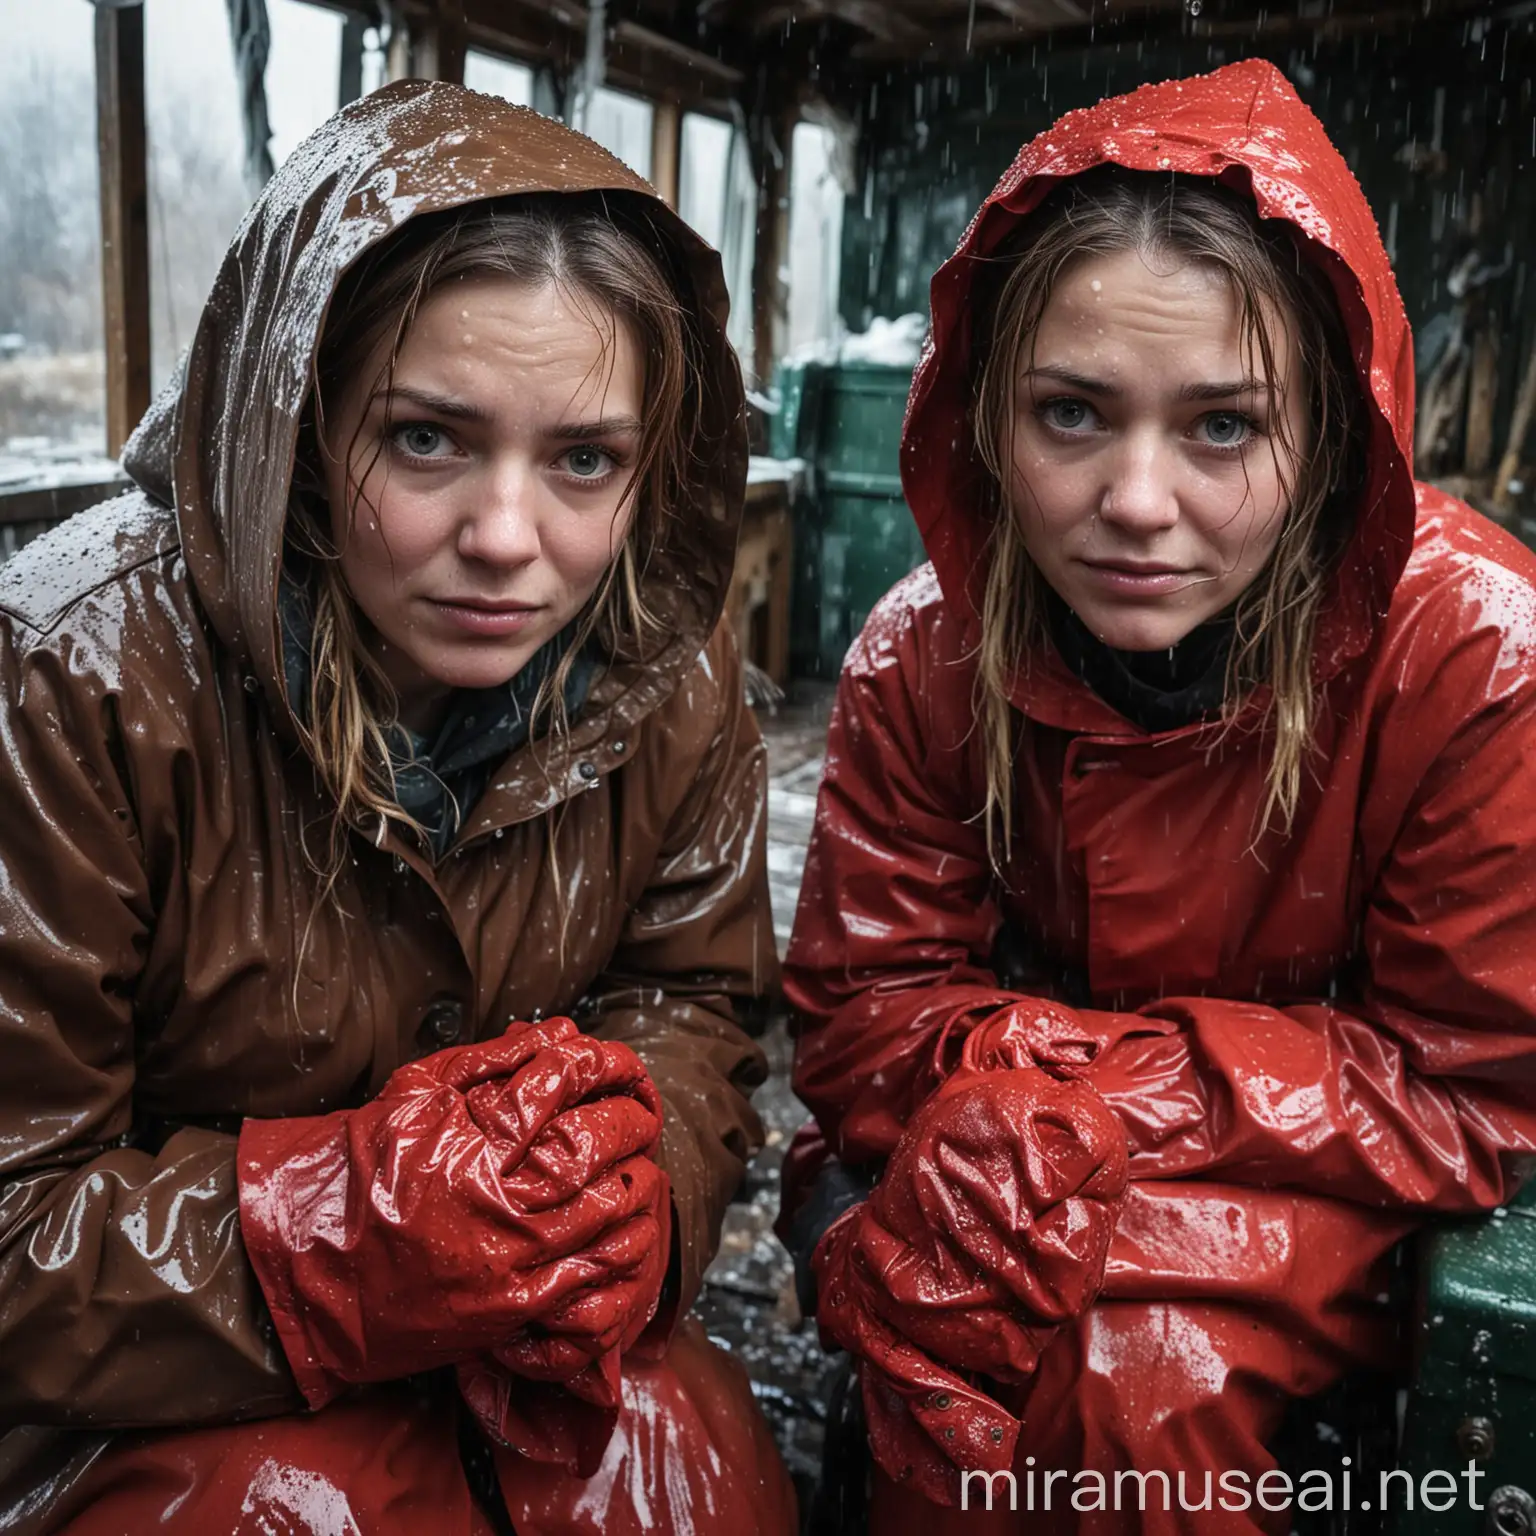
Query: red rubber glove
<point x="449" y="1216"/>
<point x="579" y="1345"/>
<point x="1036" y="1032"/>
<point x="989" y="1228"/>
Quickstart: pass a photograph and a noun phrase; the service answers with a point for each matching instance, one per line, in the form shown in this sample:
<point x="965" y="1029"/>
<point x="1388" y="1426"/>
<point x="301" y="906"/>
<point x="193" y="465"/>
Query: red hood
<point x="1246" y="126"/>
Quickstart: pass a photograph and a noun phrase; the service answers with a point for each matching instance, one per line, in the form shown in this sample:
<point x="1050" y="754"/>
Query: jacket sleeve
<point x="125" y="1295"/>
<point x="696" y="960"/>
<point x="1414" y="1094"/>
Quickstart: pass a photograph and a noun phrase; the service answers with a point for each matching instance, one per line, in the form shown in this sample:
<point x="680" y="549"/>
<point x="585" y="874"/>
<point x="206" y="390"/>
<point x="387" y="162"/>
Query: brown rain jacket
<point x="153" y="887"/>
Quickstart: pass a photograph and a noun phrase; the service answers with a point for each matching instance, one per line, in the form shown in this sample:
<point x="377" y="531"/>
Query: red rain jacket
<point x="1322" y="1035"/>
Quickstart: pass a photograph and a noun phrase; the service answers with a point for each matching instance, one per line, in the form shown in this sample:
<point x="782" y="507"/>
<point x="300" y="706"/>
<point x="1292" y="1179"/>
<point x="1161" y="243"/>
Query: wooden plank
<point x="885" y="23"/>
<point x="52" y="504"/>
<point x="121" y="156"/>
<point x="666" y="149"/>
<point x="349" y="84"/>
<point x="1035" y="15"/>
<point x="770" y="298"/>
<point x="1482" y="397"/>
<point x="1519" y="426"/>
<point x="640" y="59"/>
<point x="439" y="43"/>
<point x="757" y="604"/>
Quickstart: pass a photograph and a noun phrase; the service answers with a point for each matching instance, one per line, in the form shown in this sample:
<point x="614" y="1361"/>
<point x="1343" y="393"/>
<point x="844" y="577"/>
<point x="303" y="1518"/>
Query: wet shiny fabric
<point x="988" y="1231"/>
<point x="494" y="1199"/>
<point x="1312" y="1039"/>
<point x="170" y="966"/>
<point x="690" y="1454"/>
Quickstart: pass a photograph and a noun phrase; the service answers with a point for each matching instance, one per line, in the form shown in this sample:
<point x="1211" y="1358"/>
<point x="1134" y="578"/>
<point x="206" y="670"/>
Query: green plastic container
<point x="869" y="543"/>
<point x="792" y="432"/>
<point x="861" y="413"/>
<point x="854" y="537"/>
<point x="1474" y="1395"/>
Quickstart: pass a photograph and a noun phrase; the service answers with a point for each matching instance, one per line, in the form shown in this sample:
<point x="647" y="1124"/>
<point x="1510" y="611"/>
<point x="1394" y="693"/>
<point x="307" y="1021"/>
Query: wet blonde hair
<point x="1187" y="220"/>
<point x="604" y="259"/>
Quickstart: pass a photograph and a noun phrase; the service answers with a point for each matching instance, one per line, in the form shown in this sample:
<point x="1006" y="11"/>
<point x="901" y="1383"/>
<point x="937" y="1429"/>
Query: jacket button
<point x="443" y="1022"/>
<point x="587" y="770"/>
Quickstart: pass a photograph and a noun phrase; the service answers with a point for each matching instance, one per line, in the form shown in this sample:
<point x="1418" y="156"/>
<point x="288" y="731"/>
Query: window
<point x="815" y="237"/>
<point x="701" y="176"/>
<point x="498" y="77"/>
<point x="303" y="71"/>
<point x="622" y="124"/>
<point x="717" y="194"/>
<point x="198" y="191"/>
<point x="52" y="369"/>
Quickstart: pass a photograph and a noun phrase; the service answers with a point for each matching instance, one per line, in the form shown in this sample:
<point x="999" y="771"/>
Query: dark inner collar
<point x="1156" y="690"/>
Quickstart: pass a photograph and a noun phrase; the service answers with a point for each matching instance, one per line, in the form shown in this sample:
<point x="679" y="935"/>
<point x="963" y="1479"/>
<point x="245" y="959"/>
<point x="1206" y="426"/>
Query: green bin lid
<point x="1478" y="1298"/>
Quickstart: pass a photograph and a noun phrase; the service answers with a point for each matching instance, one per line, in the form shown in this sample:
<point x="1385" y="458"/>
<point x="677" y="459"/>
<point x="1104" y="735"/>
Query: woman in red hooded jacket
<point x="1166" y="951"/>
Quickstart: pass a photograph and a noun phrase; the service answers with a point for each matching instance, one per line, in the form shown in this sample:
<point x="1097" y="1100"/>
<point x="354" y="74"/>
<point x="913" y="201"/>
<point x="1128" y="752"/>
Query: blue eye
<point x="1226" y="429"/>
<point x="420" y="439"/>
<point x="1067" y="415"/>
<point x="588" y="463"/>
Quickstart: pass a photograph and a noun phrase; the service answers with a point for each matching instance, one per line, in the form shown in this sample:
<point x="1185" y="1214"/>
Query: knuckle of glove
<point x="1034" y="1033"/>
<point x="578" y="1147"/>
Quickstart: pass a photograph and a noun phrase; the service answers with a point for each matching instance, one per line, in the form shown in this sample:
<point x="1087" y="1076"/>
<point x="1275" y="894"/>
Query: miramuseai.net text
<point x="1041" y="1488"/>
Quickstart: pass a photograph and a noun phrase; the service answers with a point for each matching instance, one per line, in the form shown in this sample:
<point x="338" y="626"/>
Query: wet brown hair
<point x="1188" y="220"/>
<point x="601" y="253"/>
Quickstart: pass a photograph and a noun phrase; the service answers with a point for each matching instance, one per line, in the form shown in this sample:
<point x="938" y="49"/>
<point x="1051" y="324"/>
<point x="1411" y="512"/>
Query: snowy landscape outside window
<point x="622" y="125"/>
<point x="717" y="195"/>
<point x="52" y="366"/>
<point x="498" y="77"/>
<point x="815" y="237"/>
<point x="197" y="188"/>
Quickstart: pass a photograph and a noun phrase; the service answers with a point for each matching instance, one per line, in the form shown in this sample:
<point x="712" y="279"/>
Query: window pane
<point x="52" y="370"/>
<point x="375" y="63"/>
<point x="717" y="195"/>
<point x="197" y="191"/>
<point x="197" y="188"/>
<point x="815" y="237"/>
<point x="622" y="125"/>
<point x="499" y="77"/>
<point x="701" y="176"/>
<point x="303" y="71"/>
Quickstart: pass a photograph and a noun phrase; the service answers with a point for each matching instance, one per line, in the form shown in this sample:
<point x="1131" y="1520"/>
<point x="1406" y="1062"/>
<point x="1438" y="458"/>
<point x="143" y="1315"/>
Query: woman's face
<point x="493" y="483"/>
<point x="1149" y="482"/>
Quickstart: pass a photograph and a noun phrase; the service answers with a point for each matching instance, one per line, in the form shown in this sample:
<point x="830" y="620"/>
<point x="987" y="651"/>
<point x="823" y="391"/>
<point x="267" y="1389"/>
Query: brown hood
<point x="219" y="442"/>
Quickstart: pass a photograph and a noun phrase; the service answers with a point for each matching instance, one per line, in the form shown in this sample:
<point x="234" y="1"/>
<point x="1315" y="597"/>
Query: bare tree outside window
<point x="52" y="372"/>
<point x="52" y="369"/>
<point x="198" y="193"/>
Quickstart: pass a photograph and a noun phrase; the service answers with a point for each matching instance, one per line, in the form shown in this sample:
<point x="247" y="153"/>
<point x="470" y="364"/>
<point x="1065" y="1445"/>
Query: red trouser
<point x="1219" y="1307"/>
<point x="691" y="1453"/>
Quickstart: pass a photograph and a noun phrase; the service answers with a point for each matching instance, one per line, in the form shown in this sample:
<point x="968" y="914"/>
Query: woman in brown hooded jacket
<point x="280" y="1126"/>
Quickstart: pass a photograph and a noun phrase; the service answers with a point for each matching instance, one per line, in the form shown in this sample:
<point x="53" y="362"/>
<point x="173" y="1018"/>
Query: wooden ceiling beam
<point x="639" y="58"/>
<point x="881" y="19"/>
<point x="1040" y="15"/>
